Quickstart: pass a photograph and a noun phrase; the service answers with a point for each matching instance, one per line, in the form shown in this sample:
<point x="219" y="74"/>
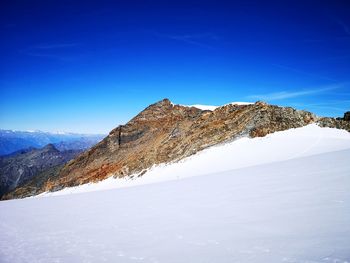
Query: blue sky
<point x="87" y="66"/>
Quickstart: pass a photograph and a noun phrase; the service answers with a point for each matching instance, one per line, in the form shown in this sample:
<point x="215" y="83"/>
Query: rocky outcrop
<point x="165" y="132"/>
<point x="18" y="169"/>
<point x="36" y="182"/>
<point x="339" y="123"/>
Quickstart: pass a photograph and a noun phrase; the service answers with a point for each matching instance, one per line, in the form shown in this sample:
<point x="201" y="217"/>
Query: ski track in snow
<point x="291" y="207"/>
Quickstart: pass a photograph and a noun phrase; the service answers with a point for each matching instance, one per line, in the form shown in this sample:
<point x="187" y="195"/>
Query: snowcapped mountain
<point x="240" y="153"/>
<point x="279" y="198"/>
<point x="237" y="183"/>
<point x="165" y="132"/>
<point x="11" y="141"/>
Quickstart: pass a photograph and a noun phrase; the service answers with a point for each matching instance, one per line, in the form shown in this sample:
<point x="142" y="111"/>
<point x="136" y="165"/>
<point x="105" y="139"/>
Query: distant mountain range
<point x="21" y="166"/>
<point x="12" y="141"/>
<point x="164" y="133"/>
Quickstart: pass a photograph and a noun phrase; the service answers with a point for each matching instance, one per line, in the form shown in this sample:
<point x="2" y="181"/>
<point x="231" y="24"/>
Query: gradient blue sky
<point x="87" y="66"/>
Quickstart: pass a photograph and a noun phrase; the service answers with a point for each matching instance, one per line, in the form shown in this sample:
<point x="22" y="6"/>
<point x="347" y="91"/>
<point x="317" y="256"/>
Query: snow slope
<point x="243" y="152"/>
<point x="293" y="206"/>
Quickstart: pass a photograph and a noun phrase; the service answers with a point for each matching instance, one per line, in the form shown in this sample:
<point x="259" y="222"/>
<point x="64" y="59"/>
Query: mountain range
<point x="25" y="154"/>
<point x="240" y="182"/>
<point x="283" y="197"/>
<point x="164" y="133"/>
<point x="20" y="167"/>
<point x="12" y="141"/>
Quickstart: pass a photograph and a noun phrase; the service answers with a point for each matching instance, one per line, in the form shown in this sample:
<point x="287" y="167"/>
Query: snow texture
<point x="252" y="205"/>
<point x="240" y="153"/>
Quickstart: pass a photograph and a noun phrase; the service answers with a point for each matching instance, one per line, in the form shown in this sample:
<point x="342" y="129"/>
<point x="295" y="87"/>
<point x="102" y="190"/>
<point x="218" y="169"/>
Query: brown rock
<point x="334" y="123"/>
<point x="164" y="132"/>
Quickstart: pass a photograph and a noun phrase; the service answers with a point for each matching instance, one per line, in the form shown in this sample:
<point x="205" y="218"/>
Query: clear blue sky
<point x="87" y="66"/>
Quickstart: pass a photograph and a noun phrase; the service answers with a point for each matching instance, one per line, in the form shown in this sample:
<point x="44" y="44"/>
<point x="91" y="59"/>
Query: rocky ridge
<point x="19" y="168"/>
<point x="165" y="132"/>
<point x="339" y="123"/>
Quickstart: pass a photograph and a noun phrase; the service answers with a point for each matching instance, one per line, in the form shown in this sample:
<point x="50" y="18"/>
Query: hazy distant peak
<point x="50" y="147"/>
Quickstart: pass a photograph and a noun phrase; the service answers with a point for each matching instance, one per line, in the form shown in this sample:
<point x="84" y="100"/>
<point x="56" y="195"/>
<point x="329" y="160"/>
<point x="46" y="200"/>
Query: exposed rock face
<point x="339" y="123"/>
<point x="31" y="187"/>
<point x="17" y="169"/>
<point x="334" y="123"/>
<point x="164" y="132"/>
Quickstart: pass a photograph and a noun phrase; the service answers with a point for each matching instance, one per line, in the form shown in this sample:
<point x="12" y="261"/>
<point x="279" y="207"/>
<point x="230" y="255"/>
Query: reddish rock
<point x="164" y="132"/>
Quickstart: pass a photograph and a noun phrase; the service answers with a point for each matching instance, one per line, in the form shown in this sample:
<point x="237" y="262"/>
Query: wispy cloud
<point x="56" y="46"/>
<point x="52" y="51"/>
<point x="281" y="95"/>
<point x="50" y="56"/>
<point x="192" y="39"/>
<point x="338" y="105"/>
<point x="302" y="72"/>
<point x="329" y="59"/>
<point x="335" y="102"/>
<point x="344" y="26"/>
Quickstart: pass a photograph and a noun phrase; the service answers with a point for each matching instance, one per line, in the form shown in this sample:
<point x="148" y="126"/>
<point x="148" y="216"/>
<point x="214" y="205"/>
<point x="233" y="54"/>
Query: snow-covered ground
<point x="240" y="153"/>
<point x="282" y="198"/>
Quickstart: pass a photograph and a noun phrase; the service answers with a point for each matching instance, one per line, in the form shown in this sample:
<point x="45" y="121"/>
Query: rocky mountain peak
<point x="164" y="102"/>
<point x="261" y="103"/>
<point x="164" y="132"/>
<point x="50" y="148"/>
